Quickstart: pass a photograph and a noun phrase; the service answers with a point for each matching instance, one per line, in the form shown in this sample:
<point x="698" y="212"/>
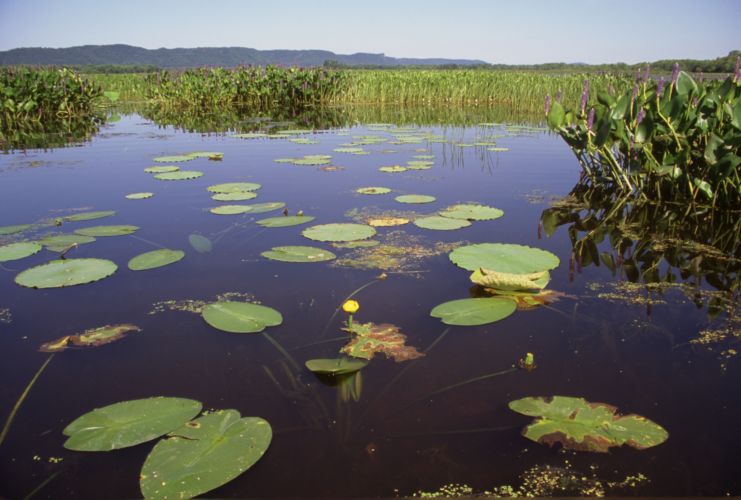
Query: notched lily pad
<point x="471" y="212"/>
<point x="182" y="175"/>
<point x="415" y="198"/>
<point x="235" y="196"/>
<point x="96" y="231"/>
<point x="20" y="250"/>
<point x="240" y="317"/>
<point x="155" y="259"/>
<point x="163" y="169"/>
<point x="339" y="232"/>
<point x="68" y="272"/>
<point x="504" y="258"/>
<point x="580" y="425"/>
<point x="474" y="312"/>
<point x="440" y="223"/>
<point x="298" y="254"/>
<point x="369" y="339"/>
<point x="90" y="338"/>
<point x="233" y="187"/>
<point x="230" y="209"/>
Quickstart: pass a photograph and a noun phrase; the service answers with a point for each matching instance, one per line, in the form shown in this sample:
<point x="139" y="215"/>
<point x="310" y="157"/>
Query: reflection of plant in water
<point x="5" y="316"/>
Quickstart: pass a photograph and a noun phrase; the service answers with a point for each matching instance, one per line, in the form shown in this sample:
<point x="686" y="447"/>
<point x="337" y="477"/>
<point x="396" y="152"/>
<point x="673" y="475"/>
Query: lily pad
<point x="440" y="223"/>
<point x="298" y="254"/>
<point x="387" y="221"/>
<point x="230" y="209"/>
<point x="233" y="187"/>
<point x="173" y="159"/>
<point x="287" y="221"/>
<point x="155" y="259"/>
<point x="420" y="163"/>
<point x="96" y="231"/>
<point x="139" y="196"/>
<point x="504" y="258"/>
<point x="471" y="212"/>
<point x="61" y="242"/>
<point x="89" y="215"/>
<point x="68" y="272"/>
<point x="510" y="281"/>
<point x="338" y="366"/>
<point x="90" y="338"/>
<point x="163" y="169"/>
<point x="235" y="196"/>
<point x="13" y="229"/>
<point x="369" y="339"/>
<point x="415" y="198"/>
<point x="260" y="208"/>
<point x="182" y="175"/>
<point x="373" y="190"/>
<point x="473" y="312"/>
<point x="204" y="454"/>
<point x="129" y="423"/>
<point x="205" y="154"/>
<point x="250" y="135"/>
<point x="393" y="169"/>
<point x="200" y="243"/>
<point x="580" y="425"/>
<point x="21" y="250"/>
<point x="240" y="317"/>
<point x="339" y="232"/>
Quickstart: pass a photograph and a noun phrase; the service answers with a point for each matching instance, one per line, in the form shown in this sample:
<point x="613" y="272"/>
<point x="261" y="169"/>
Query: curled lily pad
<point x="393" y="169"/>
<point x="200" y="243"/>
<point x="235" y="196"/>
<point x="89" y="215"/>
<point x="339" y="232"/>
<point x="298" y="254"/>
<point x="128" y="423"/>
<point x="583" y="426"/>
<point x="139" y="196"/>
<point x="230" y="209"/>
<point x="338" y="366"/>
<point x="240" y="317"/>
<point x="373" y="190"/>
<point x="286" y="221"/>
<point x="95" y="231"/>
<point x="415" y="198"/>
<point x="504" y="258"/>
<point x="510" y="281"/>
<point x="61" y="242"/>
<point x="21" y="250"/>
<point x="61" y="273"/>
<point x="155" y="259"/>
<point x="163" y="169"/>
<point x="473" y="312"/>
<point x="173" y="159"/>
<point x="471" y="212"/>
<point x="13" y="229"/>
<point x="440" y="223"/>
<point x="182" y="175"/>
<point x="204" y="454"/>
<point x="233" y="187"/>
<point x="90" y="338"/>
<point x="370" y="338"/>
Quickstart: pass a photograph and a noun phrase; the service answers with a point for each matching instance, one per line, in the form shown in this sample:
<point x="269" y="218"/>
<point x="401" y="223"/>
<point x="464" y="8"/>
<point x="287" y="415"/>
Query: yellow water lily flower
<point x="350" y="306"/>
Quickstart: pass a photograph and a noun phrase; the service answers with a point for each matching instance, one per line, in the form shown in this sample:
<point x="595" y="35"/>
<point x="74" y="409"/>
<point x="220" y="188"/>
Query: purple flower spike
<point x="584" y="96"/>
<point x="660" y="87"/>
<point x="675" y="73"/>
<point x="634" y="95"/>
<point x="646" y="74"/>
<point x="558" y="97"/>
<point x="590" y="119"/>
<point x="640" y="117"/>
<point x="547" y="104"/>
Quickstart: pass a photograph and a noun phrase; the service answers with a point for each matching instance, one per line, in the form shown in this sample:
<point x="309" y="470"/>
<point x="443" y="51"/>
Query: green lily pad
<point x="350" y="150"/>
<point x="204" y="454"/>
<point x="471" y="212"/>
<point x="205" y="154"/>
<point x="67" y="272"/>
<point x="139" y="196"/>
<point x="233" y="187"/>
<point x="260" y="208"/>
<point x="298" y="254"/>
<point x="162" y="169"/>
<point x="393" y="169"/>
<point x="370" y="338"/>
<point x="182" y="175"/>
<point x="200" y="243"/>
<point x="13" y="229"/>
<point x="440" y="223"/>
<point x="235" y="196"/>
<point x="303" y="140"/>
<point x="21" y="250"/>
<point x="338" y="366"/>
<point x="415" y="198"/>
<point x="419" y="163"/>
<point x="339" y="232"/>
<point x="373" y="190"/>
<point x="90" y="338"/>
<point x="473" y="312"/>
<point x="510" y="281"/>
<point x="504" y="258"/>
<point x="230" y="209"/>
<point x="424" y="157"/>
<point x="89" y="215"/>
<point x="419" y="167"/>
<point x="155" y="258"/>
<point x="240" y="317"/>
<point x="128" y="423"/>
<point x="121" y="230"/>
<point x="580" y="425"/>
<point x="174" y="159"/>
<point x="61" y="242"/>
<point x="287" y="221"/>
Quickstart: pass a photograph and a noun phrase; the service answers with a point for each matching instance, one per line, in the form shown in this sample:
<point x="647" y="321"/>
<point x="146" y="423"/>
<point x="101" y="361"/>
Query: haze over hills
<point x="203" y="56"/>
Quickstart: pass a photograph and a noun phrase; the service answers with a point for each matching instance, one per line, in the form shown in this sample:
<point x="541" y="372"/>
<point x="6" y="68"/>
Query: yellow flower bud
<point x="350" y="307"/>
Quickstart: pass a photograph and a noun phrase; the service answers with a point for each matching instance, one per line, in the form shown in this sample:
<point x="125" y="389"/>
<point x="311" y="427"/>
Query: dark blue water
<point x="394" y="441"/>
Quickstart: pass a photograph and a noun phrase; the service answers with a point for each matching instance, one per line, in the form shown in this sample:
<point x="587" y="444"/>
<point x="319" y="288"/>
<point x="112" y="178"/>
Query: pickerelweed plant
<point x="676" y="139"/>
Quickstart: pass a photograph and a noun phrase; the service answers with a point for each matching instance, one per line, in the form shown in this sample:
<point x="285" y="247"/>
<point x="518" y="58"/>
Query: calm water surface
<point x="396" y="439"/>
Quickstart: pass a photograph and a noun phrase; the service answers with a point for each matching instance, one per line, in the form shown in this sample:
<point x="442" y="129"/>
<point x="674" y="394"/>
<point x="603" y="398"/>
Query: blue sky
<point x="497" y="31"/>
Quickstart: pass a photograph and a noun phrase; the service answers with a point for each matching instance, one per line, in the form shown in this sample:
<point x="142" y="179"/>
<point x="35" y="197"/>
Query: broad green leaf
<point x="370" y="338"/>
<point x="441" y="223"/>
<point x="685" y="84"/>
<point x="583" y="426"/>
<point x="204" y="454"/>
<point x="337" y="366"/>
<point x="69" y="272"/>
<point x="471" y="212"/>
<point x="21" y="250"/>
<point x="96" y="231"/>
<point x="704" y="188"/>
<point x="181" y="175"/>
<point x="240" y="317"/>
<point x="415" y="198"/>
<point x="285" y="221"/>
<point x="556" y="115"/>
<point x="233" y="187"/>
<point x="339" y="232"/>
<point x="90" y="338"/>
<point x="129" y="423"/>
<point x="155" y="258"/>
<point x="298" y="254"/>
<point x="89" y="215"/>
<point x="504" y="258"/>
<point x="473" y="312"/>
<point x="510" y="281"/>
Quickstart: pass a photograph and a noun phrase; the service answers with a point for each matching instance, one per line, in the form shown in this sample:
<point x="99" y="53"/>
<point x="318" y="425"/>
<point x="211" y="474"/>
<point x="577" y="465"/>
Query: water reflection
<point x="54" y="134"/>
